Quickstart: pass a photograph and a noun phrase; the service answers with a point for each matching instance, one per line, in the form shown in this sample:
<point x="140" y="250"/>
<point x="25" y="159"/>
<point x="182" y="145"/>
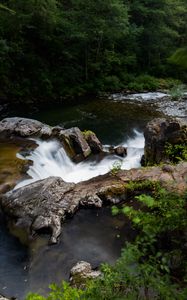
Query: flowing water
<point x="93" y="235"/>
<point x="50" y="159"/>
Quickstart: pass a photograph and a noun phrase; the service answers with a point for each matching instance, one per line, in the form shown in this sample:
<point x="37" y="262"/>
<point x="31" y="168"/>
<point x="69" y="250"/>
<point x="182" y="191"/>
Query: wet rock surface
<point x="77" y="145"/>
<point x="161" y="101"/>
<point x="46" y="204"/>
<point x="160" y="132"/>
<point x="81" y="273"/>
<point x="23" y="127"/>
<point x="94" y="143"/>
<point x="119" y="151"/>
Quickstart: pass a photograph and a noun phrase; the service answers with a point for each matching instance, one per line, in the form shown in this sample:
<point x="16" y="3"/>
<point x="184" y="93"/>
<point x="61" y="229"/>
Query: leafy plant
<point x="116" y="167"/>
<point x="176" y="152"/>
<point x="177" y="92"/>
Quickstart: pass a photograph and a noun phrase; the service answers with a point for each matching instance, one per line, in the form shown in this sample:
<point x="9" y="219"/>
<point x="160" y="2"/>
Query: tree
<point x="160" y="22"/>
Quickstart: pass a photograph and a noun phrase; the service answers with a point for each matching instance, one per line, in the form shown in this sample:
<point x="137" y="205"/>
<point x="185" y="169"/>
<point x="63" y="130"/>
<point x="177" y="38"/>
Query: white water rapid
<point x="50" y="159"/>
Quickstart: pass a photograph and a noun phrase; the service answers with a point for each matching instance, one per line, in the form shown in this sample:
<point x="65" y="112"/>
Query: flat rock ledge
<point x="45" y="204"/>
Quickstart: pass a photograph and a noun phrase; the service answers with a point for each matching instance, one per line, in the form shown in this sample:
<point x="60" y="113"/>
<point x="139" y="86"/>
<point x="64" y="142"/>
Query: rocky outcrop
<point x="78" y="145"/>
<point x="46" y="204"/>
<point x="92" y="140"/>
<point x="158" y="134"/>
<point x="39" y="205"/>
<point x="23" y="127"/>
<point x="81" y="273"/>
<point x="75" y="143"/>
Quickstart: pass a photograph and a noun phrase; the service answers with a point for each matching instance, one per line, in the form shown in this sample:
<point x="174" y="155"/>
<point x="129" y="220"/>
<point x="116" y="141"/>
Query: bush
<point x="144" y="82"/>
<point x="176" y="152"/>
<point x="168" y="83"/>
<point x="177" y="92"/>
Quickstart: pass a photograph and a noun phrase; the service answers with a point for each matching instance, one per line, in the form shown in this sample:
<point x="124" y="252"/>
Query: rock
<point x="39" y="205"/>
<point x="158" y="133"/>
<point x="92" y="140"/>
<point x="46" y="204"/>
<point x="23" y="127"/>
<point x="81" y="273"/>
<point x="92" y="200"/>
<point x="3" y="298"/>
<point x="75" y="143"/>
<point x="119" y="150"/>
<point x="56" y="131"/>
<point x="167" y="168"/>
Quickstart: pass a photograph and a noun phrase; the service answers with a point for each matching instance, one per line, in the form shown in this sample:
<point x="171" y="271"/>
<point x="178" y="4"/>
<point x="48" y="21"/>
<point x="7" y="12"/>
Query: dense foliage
<point x="50" y="49"/>
<point x="154" y="266"/>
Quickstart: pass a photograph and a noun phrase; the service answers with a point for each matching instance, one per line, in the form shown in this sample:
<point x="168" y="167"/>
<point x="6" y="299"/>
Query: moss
<point x="116" y="190"/>
<point x="87" y="134"/>
<point x="143" y="186"/>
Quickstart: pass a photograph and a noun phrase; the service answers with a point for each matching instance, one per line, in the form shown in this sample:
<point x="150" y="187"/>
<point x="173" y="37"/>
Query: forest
<point x="54" y="49"/>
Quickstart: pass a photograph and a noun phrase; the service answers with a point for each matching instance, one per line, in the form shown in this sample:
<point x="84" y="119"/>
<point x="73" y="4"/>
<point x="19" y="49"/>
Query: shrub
<point x="144" y="82"/>
<point x="116" y="167"/>
<point x="177" y="92"/>
<point x="176" y="152"/>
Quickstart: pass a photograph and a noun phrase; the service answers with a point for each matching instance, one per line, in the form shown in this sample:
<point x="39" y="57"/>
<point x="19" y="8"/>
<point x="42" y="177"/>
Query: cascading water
<point x="50" y="159"/>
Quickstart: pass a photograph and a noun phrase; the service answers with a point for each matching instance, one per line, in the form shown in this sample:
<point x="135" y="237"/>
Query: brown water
<point x="10" y="165"/>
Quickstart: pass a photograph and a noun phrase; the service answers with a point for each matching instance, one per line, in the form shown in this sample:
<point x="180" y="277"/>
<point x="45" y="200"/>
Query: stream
<point x="93" y="235"/>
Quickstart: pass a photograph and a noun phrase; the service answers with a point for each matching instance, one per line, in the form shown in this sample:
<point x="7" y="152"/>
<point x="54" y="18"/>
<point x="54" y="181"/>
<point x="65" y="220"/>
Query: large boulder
<point x="81" y="273"/>
<point x="45" y="204"/>
<point x="159" y="133"/>
<point x="93" y="141"/>
<point x="75" y="143"/>
<point x="39" y="205"/>
<point x="23" y="127"/>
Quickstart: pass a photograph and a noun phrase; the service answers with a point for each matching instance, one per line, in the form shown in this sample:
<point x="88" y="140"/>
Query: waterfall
<point x="50" y="159"/>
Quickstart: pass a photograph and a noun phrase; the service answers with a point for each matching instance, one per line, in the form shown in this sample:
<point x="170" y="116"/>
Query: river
<point x="93" y="235"/>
